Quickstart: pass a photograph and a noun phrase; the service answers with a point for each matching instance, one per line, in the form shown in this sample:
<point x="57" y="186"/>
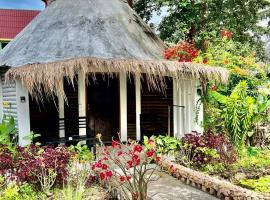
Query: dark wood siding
<point x="71" y="109"/>
<point x="44" y="118"/>
<point x="131" y="108"/>
<point x="154" y="116"/>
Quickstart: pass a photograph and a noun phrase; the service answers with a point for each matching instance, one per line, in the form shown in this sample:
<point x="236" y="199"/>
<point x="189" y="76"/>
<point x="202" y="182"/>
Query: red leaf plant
<point x="126" y="168"/>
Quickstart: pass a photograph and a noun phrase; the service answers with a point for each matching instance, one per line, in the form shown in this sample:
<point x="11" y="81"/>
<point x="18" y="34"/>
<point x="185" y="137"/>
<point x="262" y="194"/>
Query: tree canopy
<point x="201" y="20"/>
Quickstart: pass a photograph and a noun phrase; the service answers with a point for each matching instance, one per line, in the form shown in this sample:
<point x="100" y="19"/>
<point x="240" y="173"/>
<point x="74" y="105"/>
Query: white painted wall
<point x="9" y="99"/>
<point x="23" y="114"/>
<point x="185" y="94"/>
<point x="123" y="106"/>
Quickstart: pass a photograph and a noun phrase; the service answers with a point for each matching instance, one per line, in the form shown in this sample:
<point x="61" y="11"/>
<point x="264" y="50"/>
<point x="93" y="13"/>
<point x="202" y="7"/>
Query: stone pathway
<point x="169" y="188"/>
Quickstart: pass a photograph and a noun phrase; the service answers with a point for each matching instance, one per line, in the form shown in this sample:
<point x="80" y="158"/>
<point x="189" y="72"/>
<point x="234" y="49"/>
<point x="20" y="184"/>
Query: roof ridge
<point x="20" y="10"/>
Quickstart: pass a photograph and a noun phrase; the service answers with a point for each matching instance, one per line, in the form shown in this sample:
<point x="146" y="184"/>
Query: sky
<point x="22" y="4"/>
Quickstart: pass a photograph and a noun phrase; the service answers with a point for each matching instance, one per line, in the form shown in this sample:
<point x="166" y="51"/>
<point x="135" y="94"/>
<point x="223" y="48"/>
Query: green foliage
<point x="237" y="112"/>
<point x="202" y="20"/>
<point x="8" y="133"/>
<point x="11" y="192"/>
<point x="213" y="168"/>
<point x="24" y="191"/>
<point x="167" y="144"/>
<point x="253" y="159"/>
<point x="31" y="137"/>
<point x="82" y="152"/>
<point x="260" y="185"/>
<point x="252" y="151"/>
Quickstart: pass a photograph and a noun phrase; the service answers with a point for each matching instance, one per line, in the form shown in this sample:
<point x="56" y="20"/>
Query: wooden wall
<point x="154" y="117"/>
<point x="71" y="108"/>
<point x="131" y="108"/>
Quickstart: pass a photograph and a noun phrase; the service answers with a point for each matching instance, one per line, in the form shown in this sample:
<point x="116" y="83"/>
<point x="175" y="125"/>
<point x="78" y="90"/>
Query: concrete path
<point x="169" y="188"/>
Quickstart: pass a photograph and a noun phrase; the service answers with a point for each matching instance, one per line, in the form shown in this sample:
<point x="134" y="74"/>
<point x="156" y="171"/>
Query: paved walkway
<point x="169" y="188"/>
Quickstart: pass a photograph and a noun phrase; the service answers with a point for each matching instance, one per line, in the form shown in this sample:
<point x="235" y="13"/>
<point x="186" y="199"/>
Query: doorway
<point x="103" y="106"/>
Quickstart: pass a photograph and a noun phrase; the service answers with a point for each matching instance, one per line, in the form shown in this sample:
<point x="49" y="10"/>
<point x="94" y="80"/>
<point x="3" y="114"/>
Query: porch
<point x="118" y="102"/>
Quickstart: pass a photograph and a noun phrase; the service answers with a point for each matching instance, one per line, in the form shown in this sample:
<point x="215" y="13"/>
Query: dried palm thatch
<point x="48" y="77"/>
<point x="91" y="36"/>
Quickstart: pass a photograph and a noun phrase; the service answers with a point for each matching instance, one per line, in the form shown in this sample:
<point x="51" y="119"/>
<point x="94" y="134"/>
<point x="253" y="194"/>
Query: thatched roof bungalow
<point x="103" y="68"/>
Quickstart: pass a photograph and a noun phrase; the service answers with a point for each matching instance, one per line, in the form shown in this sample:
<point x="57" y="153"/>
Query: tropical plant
<point x="165" y="144"/>
<point x="125" y="168"/>
<point x="82" y="153"/>
<point x="8" y="133"/>
<point x="237" y="111"/>
<point x="75" y="186"/>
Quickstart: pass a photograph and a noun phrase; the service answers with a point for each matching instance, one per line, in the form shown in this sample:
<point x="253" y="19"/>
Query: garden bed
<point x="220" y="188"/>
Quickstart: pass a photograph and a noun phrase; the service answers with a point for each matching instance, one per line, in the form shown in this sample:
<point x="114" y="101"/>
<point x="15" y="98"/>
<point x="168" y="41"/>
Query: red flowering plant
<point x="126" y="168"/>
<point x="183" y="52"/>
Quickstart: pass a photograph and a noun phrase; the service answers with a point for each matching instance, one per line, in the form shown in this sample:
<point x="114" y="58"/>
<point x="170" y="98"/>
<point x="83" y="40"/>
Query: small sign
<point x="6" y="104"/>
<point x="70" y="138"/>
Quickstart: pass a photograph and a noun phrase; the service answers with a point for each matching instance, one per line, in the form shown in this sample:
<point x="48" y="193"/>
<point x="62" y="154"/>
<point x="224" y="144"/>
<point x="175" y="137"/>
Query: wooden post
<point x="123" y="106"/>
<point x="138" y="106"/>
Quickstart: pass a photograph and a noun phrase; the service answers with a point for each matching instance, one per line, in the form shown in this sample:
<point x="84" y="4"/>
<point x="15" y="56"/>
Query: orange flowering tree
<point x="125" y="168"/>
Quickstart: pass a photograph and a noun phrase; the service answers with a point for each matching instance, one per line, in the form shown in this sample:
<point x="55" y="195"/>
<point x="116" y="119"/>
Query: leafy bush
<point x="6" y="159"/>
<point x="32" y="160"/>
<point x="209" y="148"/>
<point x="260" y="185"/>
<point x="24" y="191"/>
<point x="165" y="144"/>
<point x="251" y="161"/>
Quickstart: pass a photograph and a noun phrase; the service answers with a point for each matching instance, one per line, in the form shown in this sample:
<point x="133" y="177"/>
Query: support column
<point x="123" y="106"/>
<point x="82" y="99"/>
<point x="23" y="114"/>
<point x="175" y="109"/>
<point x="61" y="108"/>
<point x="138" y="106"/>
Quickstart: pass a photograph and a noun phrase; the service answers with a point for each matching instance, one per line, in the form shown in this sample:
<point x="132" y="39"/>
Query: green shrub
<point x="253" y="159"/>
<point x="167" y="144"/>
<point x="260" y="185"/>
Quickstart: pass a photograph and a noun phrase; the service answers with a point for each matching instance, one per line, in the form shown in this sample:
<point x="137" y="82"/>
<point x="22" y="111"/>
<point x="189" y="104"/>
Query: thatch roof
<point x="90" y="35"/>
